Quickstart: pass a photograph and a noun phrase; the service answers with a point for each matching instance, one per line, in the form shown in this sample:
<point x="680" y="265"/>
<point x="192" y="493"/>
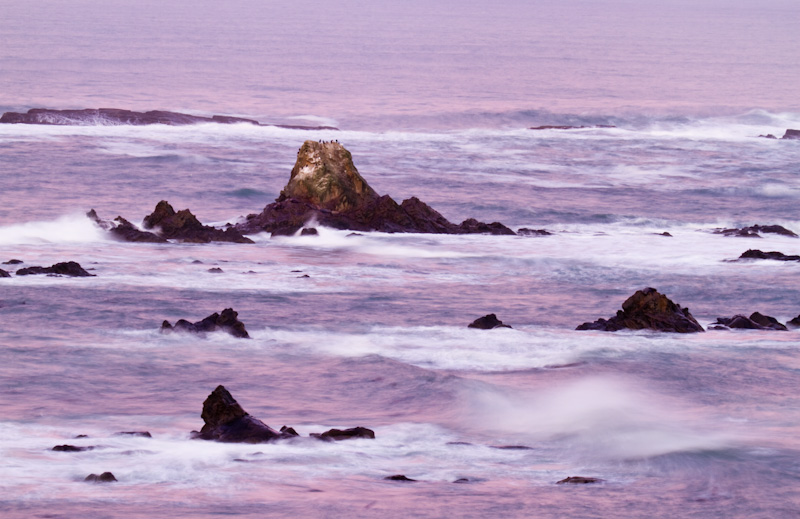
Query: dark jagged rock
<point x="756" y="321"/>
<point x="648" y="309"/>
<point x="4" y="274"/>
<point x="399" y="477"/>
<point x="325" y="187"/>
<point x="227" y="322"/>
<point x="524" y="231"/>
<point x="71" y="448"/>
<point x="105" y="477"/>
<point x="13" y="262"/>
<point x="184" y="226"/>
<point x="124" y="230"/>
<point x="289" y="430"/>
<point x="345" y="434"/>
<point x="67" y="268"/>
<point x="794" y="323"/>
<point x="792" y="134"/>
<point x="488" y="322"/>
<point x="754" y="230"/>
<point x="117" y="116"/>
<point x="226" y="421"/>
<point x="578" y="480"/>
<point x="772" y="255"/>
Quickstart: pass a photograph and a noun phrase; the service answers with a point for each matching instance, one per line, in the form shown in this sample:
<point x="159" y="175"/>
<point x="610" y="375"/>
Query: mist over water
<point x="433" y="101"/>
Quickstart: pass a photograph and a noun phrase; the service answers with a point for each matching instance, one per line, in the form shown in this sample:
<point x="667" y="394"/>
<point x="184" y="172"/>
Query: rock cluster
<point x="226" y="421"/>
<point x="756" y="321"/>
<point x="105" y="477"/>
<point x="66" y="268"/>
<point x="325" y="187"/>
<point x="772" y="255"/>
<point x="227" y="322"/>
<point x="754" y="230"/>
<point x="648" y="309"/>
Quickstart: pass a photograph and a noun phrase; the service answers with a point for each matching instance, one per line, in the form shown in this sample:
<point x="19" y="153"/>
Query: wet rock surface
<point x="648" y="309"/>
<point x="226" y="421"/>
<point x="124" y="230"/>
<point x="772" y="255"/>
<point x="184" y="226"/>
<point x="227" y="321"/>
<point x="756" y="321"/>
<point x="325" y="187"/>
<point x="118" y="116"/>
<point x="755" y="231"/>
<point x="66" y="268"/>
<point x="488" y="322"/>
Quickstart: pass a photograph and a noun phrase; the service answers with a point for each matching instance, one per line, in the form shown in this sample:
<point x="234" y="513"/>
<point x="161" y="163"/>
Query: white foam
<point x="75" y="229"/>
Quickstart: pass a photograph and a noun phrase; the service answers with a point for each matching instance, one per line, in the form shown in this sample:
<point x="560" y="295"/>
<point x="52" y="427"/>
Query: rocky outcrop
<point x="488" y="322"/>
<point x="184" y="226"/>
<point x="326" y="188"/>
<point x="226" y="421"/>
<point x="117" y="116"/>
<point x="792" y="134"/>
<point x="4" y="274"/>
<point x="794" y="323"/>
<point x="756" y="321"/>
<point x="648" y="309"/>
<point x="67" y="268"/>
<point x="772" y="255"/>
<point x="124" y="230"/>
<point x="227" y="322"/>
<point x="754" y="230"/>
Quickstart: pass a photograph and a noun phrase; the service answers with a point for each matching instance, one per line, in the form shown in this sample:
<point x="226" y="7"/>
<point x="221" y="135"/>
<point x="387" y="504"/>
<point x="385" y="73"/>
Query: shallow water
<point x="434" y="102"/>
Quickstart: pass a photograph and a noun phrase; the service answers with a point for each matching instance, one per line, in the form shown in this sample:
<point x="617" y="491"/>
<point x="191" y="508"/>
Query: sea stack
<point x="648" y="309"/>
<point x="325" y="187"/>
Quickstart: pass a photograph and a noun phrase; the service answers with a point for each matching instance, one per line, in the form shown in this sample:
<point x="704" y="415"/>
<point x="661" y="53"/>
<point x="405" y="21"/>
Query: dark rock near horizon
<point x="105" y="477"/>
<point x="184" y="226"/>
<point x="524" y="231"/>
<point x="71" y="448"/>
<point x="754" y="230"/>
<point x="66" y="268"/>
<point x="792" y="134"/>
<point x="226" y="421"/>
<point x="579" y="480"/>
<point x="117" y="116"/>
<point x="13" y="262"/>
<point x="488" y="322"/>
<point x="772" y="255"/>
<point x="345" y="434"/>
<point x="399" y="477"/>
<point x="756" y="321"/>
<point x="648" y="309"/>
<point x="768" y="136"/>
<point x="227" y="322"/>
<point x="138" y="434"/>
<point x="325" y="187"/>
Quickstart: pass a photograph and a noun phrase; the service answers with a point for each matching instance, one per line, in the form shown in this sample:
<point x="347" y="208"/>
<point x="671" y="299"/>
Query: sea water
<point x="433" y="101"/>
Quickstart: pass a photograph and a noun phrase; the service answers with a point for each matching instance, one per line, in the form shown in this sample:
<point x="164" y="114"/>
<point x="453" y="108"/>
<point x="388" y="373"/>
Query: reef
<point x="648" y="309"/>
<point x="66" y="268"/>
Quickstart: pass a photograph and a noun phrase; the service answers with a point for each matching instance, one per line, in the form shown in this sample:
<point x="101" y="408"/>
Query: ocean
<point x="434" y="101"/>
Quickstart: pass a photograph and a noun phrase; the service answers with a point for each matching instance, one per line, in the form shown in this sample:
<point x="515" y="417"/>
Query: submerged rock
<point x="105" y="477"/>
<point x="71" y="448"/>
<point x="226" y="421"/>
<point x="756" y="321"/>
<point x="772" y="255"/>
<point x="227" y="322"/>
<point x="754" y="230"/>
<point x="66" y="268"/>
<point x="399" y="477"/>
<point x="325" y="187"/>
<point x="578" y="480"/>
<point x="184" y="226"/>
<point x="648" y="309"/>
<point x="488" y="322"/>
<point x="524" y="231"/>
<point x="345" y="434"/>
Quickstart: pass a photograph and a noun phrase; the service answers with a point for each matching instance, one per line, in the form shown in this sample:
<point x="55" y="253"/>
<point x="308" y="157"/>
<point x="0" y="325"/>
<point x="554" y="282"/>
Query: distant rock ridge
<point x="117" y="116"/>
<point x="648" y="309"/>
<point x="325" y="187"/>
<point x="754" y="230"/>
